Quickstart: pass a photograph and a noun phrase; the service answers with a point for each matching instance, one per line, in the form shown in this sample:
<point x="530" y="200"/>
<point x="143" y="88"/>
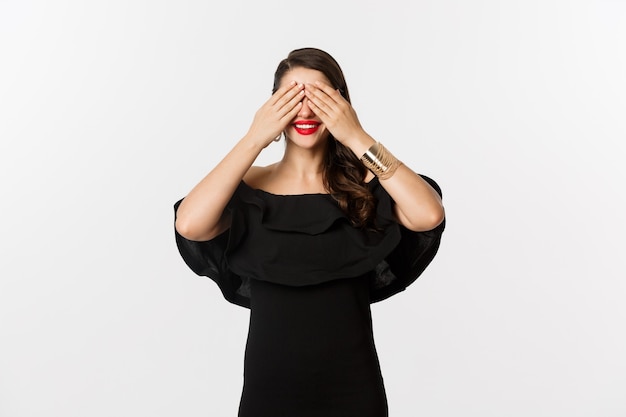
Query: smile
<point x="306" y="127"/>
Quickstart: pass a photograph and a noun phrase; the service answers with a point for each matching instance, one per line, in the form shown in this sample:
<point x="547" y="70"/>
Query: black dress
<point x="309" y="278"/>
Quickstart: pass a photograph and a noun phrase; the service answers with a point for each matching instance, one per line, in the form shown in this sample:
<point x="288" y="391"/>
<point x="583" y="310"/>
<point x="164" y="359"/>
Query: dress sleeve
<point x="414" y="252"/>
<point x="208" y="258"/>
<point x="391" y="258"/>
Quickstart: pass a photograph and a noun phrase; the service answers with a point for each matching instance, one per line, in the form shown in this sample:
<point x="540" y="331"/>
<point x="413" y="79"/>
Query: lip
<point x="306" y="127"/>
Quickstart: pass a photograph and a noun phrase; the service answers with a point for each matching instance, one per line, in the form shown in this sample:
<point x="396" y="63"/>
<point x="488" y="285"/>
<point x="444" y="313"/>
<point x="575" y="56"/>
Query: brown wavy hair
<point x="343" y="172"/>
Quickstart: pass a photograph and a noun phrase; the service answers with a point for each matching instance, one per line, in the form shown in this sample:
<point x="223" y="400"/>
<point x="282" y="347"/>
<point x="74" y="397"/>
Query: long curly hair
<point x="343" y="173"/>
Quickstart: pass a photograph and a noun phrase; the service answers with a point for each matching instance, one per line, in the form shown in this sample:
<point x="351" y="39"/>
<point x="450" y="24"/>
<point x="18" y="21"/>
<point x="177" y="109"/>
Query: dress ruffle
<point x="306" y="239"/>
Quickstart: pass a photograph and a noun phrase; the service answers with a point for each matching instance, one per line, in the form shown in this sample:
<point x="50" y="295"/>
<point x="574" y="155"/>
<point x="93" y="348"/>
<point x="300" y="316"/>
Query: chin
<point x="308" y="141"/>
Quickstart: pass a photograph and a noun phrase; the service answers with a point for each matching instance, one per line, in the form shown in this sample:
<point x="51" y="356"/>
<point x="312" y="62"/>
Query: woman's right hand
<point x="272" y="118"/>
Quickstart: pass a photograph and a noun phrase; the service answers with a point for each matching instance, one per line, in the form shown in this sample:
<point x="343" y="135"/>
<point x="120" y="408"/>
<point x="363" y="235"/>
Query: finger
<point x="319" y="112"/>
<point x="330" y="91"/>
<point x="286" y="93"/>
<point x="280" y="92"/>
<point x="320" y="99"/>
<point x="288" y="112"/>
<point x="290" y="99"/>
<point x="286" y="107"/>
<point x="327" y="94"/>
<point x="292" y="113"/>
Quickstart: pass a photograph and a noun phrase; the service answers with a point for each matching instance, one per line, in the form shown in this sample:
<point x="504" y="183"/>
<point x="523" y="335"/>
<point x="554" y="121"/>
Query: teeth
<point x="306" y="126"/>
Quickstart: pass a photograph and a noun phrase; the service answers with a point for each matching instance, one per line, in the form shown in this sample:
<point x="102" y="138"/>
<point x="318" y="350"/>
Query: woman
<point x="308" y="242"/>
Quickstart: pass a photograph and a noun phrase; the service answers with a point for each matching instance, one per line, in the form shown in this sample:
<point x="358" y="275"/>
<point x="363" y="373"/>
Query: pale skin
<point x="304" y="94"/>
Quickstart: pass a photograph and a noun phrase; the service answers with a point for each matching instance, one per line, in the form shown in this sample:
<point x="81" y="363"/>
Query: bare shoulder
<point x="258" y="176"/>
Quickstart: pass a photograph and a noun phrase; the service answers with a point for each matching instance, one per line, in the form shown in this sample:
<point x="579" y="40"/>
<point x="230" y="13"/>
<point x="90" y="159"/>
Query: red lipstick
<point x="306" y="127"/>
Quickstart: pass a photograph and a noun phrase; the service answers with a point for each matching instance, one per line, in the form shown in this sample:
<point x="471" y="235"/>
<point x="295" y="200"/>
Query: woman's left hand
<point x="334" y="111"/>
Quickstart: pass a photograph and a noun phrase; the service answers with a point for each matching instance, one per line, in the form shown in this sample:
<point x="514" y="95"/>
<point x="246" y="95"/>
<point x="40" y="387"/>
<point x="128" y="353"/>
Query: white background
<point x="110" y="111"/>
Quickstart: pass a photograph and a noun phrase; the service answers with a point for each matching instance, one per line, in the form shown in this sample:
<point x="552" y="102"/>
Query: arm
<point x="418" y="206"/>
<point x="201" y="214"/>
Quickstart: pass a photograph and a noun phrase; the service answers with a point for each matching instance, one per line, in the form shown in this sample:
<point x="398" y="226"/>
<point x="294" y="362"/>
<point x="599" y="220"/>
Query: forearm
<point x="418" y="206"/>
<point x="201" y="215"/>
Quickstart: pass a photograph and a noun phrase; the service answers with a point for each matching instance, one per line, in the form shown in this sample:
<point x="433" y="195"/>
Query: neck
<point x="302" y="163"/>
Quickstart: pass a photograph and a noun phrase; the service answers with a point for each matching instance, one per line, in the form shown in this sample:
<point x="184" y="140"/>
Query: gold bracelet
<point x="380" y="161"/>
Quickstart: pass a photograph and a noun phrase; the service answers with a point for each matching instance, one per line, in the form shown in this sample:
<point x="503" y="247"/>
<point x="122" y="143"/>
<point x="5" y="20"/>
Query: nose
<point x="305" y="111"/>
